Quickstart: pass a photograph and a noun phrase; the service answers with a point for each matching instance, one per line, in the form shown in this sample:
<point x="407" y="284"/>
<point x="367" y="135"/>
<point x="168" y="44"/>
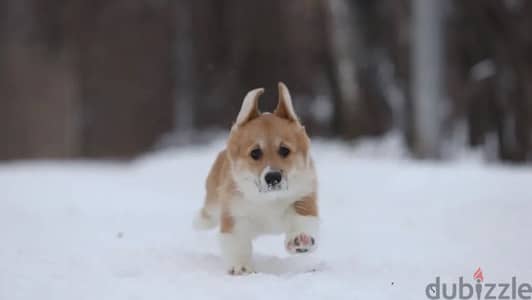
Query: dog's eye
<point x="256" y="154"/>
<point x="283" y="151"/>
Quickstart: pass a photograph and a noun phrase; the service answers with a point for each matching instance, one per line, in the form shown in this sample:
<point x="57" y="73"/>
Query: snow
<point x="119" y="230"/>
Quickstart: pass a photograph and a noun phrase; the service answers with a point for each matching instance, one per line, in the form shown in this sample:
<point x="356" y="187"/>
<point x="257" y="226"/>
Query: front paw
<point x="300" y="243"/>
<point x="240" y="270"/>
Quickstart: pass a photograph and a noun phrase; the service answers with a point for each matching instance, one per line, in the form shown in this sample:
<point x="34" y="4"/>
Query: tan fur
<point x="226" y="223"/>
<point x="308" y="206"/>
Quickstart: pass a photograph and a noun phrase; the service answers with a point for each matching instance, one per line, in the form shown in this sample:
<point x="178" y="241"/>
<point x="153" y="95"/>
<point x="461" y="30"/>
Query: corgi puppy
<point x="264" y="182"/>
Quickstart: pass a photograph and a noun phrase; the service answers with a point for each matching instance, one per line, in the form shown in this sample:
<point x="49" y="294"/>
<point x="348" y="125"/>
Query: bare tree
<point x="360" y="104"/>
<point x="184" y="65"/>
<point x="343" y="39"/>
<point x="427" y="82"/>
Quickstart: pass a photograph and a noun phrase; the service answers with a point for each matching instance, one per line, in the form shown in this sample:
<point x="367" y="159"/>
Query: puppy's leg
<point x="205" y="219"/>
<point x="236" y="246"/>
<point x="302" y="226"/>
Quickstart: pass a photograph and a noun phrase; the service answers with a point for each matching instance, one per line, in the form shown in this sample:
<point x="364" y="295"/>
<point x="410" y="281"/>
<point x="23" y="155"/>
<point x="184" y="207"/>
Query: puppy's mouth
<point x="269" y="188"/>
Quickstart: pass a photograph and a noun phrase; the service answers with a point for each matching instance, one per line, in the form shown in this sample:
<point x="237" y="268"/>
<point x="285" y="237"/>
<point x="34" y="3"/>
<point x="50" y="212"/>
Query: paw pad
<point x="301" y="243"/>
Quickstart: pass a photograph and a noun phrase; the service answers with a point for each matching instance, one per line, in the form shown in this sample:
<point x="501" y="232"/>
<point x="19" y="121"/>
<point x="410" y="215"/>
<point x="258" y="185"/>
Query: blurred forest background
<point x="112" y="78"/>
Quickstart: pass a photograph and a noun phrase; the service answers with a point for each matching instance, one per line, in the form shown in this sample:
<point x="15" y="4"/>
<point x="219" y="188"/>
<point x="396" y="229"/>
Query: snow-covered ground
<point x="110" y="230"/>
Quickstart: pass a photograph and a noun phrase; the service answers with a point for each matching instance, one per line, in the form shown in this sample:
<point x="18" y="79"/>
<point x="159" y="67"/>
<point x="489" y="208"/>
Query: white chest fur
<point x="257" y="212"/>
<point x="262" y="218"/>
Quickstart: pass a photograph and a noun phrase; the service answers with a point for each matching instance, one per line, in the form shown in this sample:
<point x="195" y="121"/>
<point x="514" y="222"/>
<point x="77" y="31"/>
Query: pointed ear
<point x="285" y="109"/>
<point x="250" y="108"/>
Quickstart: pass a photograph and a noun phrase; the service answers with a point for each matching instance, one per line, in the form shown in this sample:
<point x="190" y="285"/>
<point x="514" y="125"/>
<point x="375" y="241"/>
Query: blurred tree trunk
<point x="428" y="76"/>
<point x="185" y="83"/>
<point x="127" y="75"/>
<point x="397" y="37"/>
<point x="360" y="104"/>
<point x="39" y="91"/>
<point x="345" y="48"/>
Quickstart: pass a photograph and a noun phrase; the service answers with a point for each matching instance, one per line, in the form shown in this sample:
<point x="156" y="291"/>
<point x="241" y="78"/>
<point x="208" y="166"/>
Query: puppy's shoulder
<point x="218" y="171"/>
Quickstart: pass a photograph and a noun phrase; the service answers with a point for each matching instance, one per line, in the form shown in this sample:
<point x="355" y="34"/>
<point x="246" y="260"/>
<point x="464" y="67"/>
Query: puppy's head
<point x="269" y="153"/>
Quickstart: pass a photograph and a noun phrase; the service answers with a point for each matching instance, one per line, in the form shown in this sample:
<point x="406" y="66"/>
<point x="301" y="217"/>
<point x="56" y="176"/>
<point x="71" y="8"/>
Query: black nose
<point x="273" y="178"/>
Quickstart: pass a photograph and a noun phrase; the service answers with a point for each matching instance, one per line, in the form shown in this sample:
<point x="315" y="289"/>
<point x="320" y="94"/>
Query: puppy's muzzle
<point x="273" y="178"/>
